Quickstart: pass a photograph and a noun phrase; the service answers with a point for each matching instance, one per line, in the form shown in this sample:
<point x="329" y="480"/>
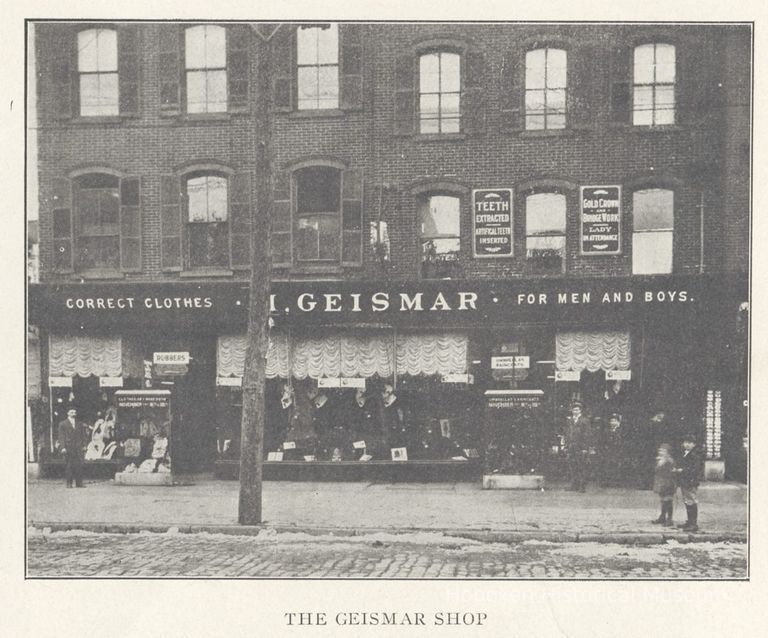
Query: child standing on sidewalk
<point x="691" y="468"/>
<point x="664" y="483"/>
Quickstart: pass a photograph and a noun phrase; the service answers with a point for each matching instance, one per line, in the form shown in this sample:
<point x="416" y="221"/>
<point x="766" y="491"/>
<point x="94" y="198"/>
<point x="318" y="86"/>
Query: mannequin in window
<point x="393" y="418"/>
<point x="363" y="424"/>
<point x="322" y="420"/>
<point x="300" y="424"/>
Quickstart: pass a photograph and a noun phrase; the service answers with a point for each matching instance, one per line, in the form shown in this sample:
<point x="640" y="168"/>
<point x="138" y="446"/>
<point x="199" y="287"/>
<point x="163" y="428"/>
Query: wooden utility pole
<point x="252" y="424"/>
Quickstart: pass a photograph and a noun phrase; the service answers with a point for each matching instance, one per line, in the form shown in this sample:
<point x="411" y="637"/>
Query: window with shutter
<point x="404" y="106"/>
<point x="317" y="232"/>
<point x="352" y="218"/>
<point x="351" y="78"/>
<point x="63" y="235"/>
<point x="97" y="223"/>
<point x="440" y="236"/>
<point x="510" y="91"/>
<point x="170" y="223"/>
<point x="280" y="240"/>
<point x="240" y="220"/>
<point x="128" y="69"/>
<point x="207" y="214"/>
<point x="130" y="224"/>
<point x="170" y="47"/>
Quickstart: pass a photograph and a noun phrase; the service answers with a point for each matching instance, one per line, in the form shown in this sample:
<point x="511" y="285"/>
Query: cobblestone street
<point x="418" y="555"/>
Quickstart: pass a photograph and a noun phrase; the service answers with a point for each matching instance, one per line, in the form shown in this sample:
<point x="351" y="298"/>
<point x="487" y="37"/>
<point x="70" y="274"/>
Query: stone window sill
<point x="99" y="273"/>
<point x="205" y="272"/>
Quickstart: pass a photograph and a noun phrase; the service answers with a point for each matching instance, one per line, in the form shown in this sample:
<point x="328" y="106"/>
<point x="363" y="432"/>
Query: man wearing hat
<point x="72" y="443"/>
<point x="690" y="468"/>
<point x="578" y="441"/>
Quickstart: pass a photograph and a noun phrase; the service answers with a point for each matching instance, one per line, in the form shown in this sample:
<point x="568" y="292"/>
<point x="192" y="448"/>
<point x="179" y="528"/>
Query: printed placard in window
<point x="600" y="220"/>
<point x="492" y="222"/>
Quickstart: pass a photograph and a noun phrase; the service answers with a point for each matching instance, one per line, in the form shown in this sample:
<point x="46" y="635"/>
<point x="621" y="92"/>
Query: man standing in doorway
<point x="71" y="444"/>
<point x="577" y="446"/>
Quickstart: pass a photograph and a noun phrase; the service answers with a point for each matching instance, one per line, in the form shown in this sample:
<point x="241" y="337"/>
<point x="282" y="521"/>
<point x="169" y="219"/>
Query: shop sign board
<point x="600" y="220"/>
<point x="234" y="382"/>
<point x="341" y="382"/>
<point x="110" y="382"/>
<point x="567" y="375"/>
<point x="492" y="222"/>
<point x="618" y="375"/>
<point x="59" y="382"/>
<point x="458" y="378"/>
<point x="171" y="358"/>
<point x="170" y="370"/>
<point x="510" y="399"/>
<point x="510" y="362"/>
<point x="143" y="398"/>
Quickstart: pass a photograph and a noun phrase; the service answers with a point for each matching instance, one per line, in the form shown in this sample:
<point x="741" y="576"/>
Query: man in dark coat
<point x="393" y="418"/>
<point x="689" y="470"/>
<point x="578" y="444"/>
<point x="72" y="442"/>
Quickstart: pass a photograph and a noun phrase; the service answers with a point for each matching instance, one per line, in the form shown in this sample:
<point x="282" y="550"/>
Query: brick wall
<point x="704" y="161"/>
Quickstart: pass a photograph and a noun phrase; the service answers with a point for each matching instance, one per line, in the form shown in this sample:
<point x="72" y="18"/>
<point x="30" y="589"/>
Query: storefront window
<point x="318" y="205"/>
<point x="207" y="216"/>
<point x="205" y="52"/>
<point x="318" y="66"/>
<point x="98" y="228"/>
<point x="652" y="239"/>
<point x="439" y="228"/>
<point x="545" y="232"/>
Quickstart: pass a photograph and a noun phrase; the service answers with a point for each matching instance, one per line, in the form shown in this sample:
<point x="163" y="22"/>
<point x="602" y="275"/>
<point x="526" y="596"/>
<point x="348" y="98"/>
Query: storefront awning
<point x="71" y="356"/>
<point x="592" y="351"/>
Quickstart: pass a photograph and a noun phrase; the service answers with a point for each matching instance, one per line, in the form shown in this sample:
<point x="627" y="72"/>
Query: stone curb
<point x="486" y="536"/>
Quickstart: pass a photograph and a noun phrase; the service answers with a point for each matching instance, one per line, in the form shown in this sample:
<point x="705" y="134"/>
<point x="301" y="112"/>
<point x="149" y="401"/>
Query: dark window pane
<point x="317" y="190"/>
<point x="208" y="245"/>
<point x="352" y="215"/>
<point x="61" y="223"/>
<point x="98" y="252"/>
<point x="129" y="192"/>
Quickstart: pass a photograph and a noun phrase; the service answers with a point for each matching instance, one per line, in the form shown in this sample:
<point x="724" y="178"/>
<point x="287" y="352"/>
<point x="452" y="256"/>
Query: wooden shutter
<point x="281" y="241"/>
<point x="63" y="47"/>
<point x="130" y="224"/>
<point x="283" y="69"/>
<point x="511" y="91"/>
<point x="170" y="68"/>
<point x="580" y="82"/>
<point x="405" y="91"/>
<point x="351" y="64"/>
<point x="238" y="67"/>
<point x="171" y="225"/>
<point x="473" y="98"/>
<point x="621" y="85"/>
<point x="240" y="220"/>
<point x="128" y="69"/>
<point x="63" y="231"/>
<point x="695" y="82"/>
<point x="352" y="217"/>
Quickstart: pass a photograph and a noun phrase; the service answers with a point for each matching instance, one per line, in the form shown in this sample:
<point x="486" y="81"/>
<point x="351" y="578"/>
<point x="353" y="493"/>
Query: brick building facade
<point x="380" y="133"/>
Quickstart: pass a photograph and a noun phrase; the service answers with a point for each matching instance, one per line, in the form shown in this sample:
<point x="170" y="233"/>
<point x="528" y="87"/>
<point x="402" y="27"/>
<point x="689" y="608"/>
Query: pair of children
<point x="668" y="477"/>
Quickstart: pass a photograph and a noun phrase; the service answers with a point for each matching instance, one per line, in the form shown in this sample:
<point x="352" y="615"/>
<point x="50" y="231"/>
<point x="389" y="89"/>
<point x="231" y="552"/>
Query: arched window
<point x="97" y="71"/>
<point x="440" y="236"/>
<point x="545" y="89"/>
<point x="653" y="96"/>
<point x="653" y="219"/>
<point x="545" y="215"/>
<point x="205" y="50"/>
<point x="439" y="92"/>
<point x="318" y="213"/>
<point x="207" y="219"/>
<point x="317" y="59"/>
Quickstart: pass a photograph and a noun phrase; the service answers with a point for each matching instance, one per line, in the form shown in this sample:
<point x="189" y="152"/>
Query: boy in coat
<point x="578" y="444"/>
<point x="72" y="442"/>
<point x="690" y="467"/>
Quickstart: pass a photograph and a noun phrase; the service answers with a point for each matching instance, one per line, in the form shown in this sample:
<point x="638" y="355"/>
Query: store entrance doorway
<point x="193" y="435"/>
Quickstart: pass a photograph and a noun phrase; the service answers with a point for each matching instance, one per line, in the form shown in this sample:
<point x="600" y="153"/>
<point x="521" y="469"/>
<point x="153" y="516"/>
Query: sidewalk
<point x="202" y="504"/>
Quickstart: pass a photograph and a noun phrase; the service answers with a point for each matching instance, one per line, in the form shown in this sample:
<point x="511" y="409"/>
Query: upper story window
<point x="653" y="96"/>
<point x="440" y="236"/>
<point x="545" y="215"/>
<point x="207" y="213"/>
<point x="97" y="70"/>
<point x="652" y="237"/>
<point x="205" y="50"/>
<point x="318" y="67"/>
<point x="439" y="92"/>
<point x="97" y="227"/>
<point x="545" y="89"/>
<point x="318" y="214"/>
